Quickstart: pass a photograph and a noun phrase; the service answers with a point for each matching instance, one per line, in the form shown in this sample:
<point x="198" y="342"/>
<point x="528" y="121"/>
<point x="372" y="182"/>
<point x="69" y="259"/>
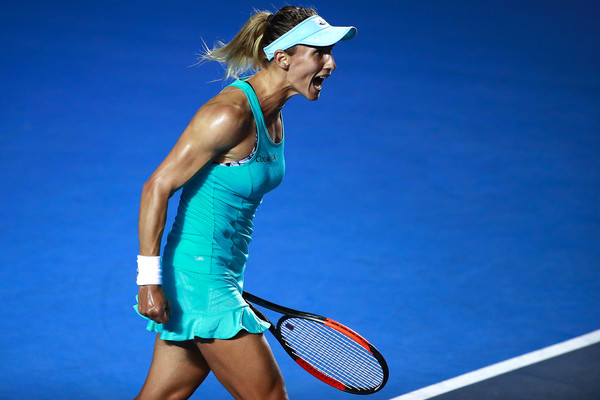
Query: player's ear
<point x="282" y="59"/>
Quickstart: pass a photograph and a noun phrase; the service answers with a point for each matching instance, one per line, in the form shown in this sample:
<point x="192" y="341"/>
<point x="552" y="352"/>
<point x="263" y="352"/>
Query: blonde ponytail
<point x="244" y="52"/>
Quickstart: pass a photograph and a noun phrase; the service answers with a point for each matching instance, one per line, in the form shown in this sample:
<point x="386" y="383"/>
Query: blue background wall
<point x="442" y="196"/>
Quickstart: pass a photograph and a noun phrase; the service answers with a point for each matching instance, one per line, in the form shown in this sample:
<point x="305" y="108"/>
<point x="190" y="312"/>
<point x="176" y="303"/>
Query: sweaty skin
<point x="223" y="130"/>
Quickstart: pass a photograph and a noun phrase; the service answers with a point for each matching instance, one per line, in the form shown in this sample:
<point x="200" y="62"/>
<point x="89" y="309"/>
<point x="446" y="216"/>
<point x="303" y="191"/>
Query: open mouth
<point x="318" y="81"/>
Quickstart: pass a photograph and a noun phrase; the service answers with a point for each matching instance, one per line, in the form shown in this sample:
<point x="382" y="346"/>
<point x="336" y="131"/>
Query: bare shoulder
<point x="225" y="120"/>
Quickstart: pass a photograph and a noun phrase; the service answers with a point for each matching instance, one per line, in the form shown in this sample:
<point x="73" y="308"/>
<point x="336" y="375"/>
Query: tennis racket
<point x="326" y="349"/>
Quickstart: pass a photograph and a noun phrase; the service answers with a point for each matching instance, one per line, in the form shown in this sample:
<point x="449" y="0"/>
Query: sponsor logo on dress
<point x="268" y="158"/>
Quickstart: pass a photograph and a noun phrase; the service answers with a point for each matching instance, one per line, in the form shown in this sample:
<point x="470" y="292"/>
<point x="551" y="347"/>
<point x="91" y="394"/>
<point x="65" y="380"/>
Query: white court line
<point x="502" y="367"/>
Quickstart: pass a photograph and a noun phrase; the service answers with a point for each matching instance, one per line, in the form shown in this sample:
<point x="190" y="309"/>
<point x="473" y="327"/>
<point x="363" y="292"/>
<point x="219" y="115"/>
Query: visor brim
<point x="330" y="35"/>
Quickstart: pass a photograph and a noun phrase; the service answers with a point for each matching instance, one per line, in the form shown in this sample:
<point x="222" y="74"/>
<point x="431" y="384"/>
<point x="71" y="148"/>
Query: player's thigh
<point x="245" y="366"/>
<point x="177" y="369"/>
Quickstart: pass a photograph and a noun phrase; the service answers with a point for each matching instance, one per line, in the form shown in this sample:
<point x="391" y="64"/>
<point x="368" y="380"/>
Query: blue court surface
<point x="442" y="197"/>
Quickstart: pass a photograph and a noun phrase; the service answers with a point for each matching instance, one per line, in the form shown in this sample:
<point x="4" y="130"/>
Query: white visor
<point x="313" y="31"/>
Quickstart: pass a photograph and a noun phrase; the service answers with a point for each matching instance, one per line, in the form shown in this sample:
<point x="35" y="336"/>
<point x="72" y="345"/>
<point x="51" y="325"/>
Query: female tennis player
<point x="229" y="156"/>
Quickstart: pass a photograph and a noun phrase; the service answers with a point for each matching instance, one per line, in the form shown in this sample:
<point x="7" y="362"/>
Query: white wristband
<point x="149" y="271"/>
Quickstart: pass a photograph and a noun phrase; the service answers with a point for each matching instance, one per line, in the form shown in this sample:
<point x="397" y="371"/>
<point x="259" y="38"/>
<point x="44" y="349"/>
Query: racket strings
<point x="338" y="356"/>
<point x="333" y="353"/>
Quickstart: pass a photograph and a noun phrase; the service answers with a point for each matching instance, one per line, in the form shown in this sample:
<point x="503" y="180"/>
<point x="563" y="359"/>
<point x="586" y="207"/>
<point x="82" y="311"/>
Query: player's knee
<point x="174" y="394"/>
<point x="277" y="391"/>
<point x="273" y="391"/>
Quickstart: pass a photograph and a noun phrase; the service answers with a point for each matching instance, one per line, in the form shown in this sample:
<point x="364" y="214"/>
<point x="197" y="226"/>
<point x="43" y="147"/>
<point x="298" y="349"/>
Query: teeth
<point x="318" y="81"/>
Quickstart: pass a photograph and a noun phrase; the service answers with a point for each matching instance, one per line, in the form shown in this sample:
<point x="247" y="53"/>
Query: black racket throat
<point x="328" y="350"/>
<point x="280" y="309"/>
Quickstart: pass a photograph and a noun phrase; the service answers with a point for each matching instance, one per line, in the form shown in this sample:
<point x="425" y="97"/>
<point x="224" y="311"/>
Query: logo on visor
<point x="322" y="22"/>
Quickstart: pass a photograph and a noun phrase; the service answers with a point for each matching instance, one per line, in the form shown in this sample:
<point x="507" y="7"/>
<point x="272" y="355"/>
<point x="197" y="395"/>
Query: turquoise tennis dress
<point x="206" y="251"/>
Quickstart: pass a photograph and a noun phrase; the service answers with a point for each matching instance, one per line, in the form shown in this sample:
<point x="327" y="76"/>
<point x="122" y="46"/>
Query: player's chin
<point x="313" y="92"/>
<point x="313" y="95"/>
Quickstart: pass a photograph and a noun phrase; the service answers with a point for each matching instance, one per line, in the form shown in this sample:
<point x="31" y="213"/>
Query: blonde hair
<point x="245" y="51"/>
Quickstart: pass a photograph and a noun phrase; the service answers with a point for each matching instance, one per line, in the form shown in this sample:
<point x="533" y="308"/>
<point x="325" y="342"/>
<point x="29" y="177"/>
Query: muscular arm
<point x="214" y="130"/>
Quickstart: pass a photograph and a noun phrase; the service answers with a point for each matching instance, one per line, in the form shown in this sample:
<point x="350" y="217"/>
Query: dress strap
<point x="254" y="104"/>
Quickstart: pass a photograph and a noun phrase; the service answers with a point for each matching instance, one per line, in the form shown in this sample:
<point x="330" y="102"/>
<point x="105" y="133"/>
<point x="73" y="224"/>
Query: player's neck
<point x="272" y="92"/>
